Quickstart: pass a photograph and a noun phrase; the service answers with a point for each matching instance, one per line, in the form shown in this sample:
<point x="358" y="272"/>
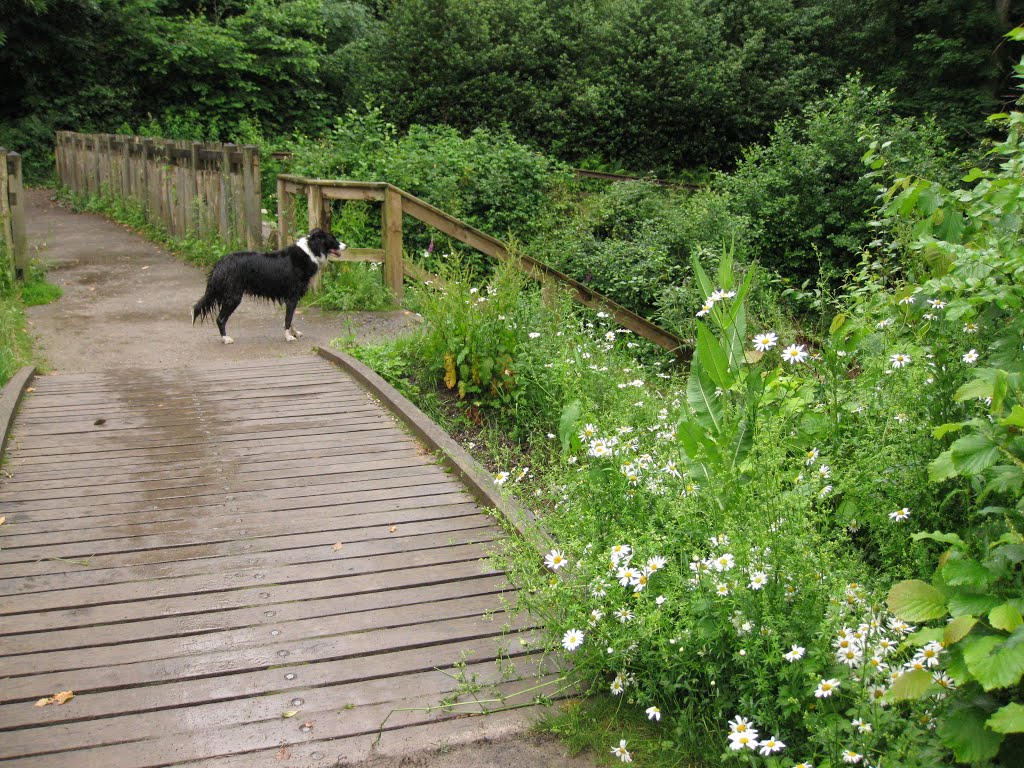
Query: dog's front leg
<point x="290" y="334"/>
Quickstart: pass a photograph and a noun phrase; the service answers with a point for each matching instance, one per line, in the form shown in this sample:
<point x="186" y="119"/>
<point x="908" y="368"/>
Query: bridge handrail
<point x="397" y="202"/>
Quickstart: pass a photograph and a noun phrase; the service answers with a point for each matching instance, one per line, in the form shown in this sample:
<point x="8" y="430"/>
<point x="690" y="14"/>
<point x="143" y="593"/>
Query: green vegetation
<point x="807" y="546"/>
<point x="15" y="340"/>
<point x="646" y="85"/>
<point x="804" y="545"/>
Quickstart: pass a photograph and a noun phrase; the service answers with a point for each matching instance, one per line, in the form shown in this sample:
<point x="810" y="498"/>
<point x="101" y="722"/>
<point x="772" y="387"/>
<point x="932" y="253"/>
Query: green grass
<point x="15" y="341"/>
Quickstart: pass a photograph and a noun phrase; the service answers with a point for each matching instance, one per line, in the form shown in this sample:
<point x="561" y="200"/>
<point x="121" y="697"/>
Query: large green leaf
<point x="964" y="603"/>
<point x="693" y="437"/>
<point x="1009" y="719"/>
<point x="973" y="453"/>
<point x="963" y="730"/>
<point x="712" y="357"/>
<point x="944" y="538"/>
<point x="567" y="423"/>
<point x="958" y="629"/>
<point x="701" y="397"/>
<point x="916" y="600"/>
<point x="942" y="467"/>
<point x="741" y="444"/>
<point x="706" y="287"/>
<point x="978" y="388"/>
<point x="993" y="661"/>
<point x="1016" y="417"/>
<point x="1005" y="617"/>
<point x="910" y="685"/>
<point x="966" y="572"/>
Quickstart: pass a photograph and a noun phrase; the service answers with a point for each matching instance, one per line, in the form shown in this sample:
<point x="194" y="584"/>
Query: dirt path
<point x="127" y="301"/>
<point x="126" y="304"/>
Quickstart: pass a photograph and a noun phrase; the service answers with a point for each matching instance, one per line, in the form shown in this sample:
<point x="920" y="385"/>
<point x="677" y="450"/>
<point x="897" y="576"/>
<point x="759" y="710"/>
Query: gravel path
<point x="127" y="301"/>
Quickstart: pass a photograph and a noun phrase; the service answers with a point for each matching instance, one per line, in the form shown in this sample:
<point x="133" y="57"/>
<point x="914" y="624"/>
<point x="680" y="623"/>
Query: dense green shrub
<point x="487" y="178"/>
<point x="633" y="242"/>
<point x="806" y="193"/>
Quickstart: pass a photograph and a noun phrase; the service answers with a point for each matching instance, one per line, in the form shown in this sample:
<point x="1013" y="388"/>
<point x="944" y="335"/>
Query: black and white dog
<point x="280" y="276"/>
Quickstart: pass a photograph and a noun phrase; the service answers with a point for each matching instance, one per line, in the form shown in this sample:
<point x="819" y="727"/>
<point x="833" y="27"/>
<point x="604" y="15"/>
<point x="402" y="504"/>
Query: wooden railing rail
<point x="396" y="202"/>
<point x="12" y="215"/>
<point x="186" y="187"/>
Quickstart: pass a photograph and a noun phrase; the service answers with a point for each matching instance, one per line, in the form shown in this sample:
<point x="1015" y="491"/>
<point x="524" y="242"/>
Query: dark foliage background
<point x="644" y="85"/>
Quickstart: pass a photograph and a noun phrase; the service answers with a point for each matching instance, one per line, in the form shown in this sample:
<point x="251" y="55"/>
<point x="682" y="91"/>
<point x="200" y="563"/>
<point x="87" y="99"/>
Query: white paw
<point x="227" y="340"/>
<point x="288" y="336"/>
<point x="296" y="332"/>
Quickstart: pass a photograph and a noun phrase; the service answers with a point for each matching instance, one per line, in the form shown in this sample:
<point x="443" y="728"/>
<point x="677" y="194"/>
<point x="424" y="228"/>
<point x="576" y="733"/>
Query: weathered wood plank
<point x="224" y="547"/>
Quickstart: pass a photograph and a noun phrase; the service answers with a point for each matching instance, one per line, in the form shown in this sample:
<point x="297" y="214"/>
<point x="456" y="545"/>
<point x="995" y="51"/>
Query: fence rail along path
<point x="187" y="187"/>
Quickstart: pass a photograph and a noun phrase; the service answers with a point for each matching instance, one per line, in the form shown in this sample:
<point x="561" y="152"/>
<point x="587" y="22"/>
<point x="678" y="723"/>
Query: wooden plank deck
<point x="199" y="553"/>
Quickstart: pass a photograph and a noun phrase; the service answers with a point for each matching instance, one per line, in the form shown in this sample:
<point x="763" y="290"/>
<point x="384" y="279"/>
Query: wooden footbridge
<point x="245" y="565"/>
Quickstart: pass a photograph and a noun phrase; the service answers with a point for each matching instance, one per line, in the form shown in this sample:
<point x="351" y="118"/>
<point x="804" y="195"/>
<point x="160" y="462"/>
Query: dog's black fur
<point x="280" y="276"/>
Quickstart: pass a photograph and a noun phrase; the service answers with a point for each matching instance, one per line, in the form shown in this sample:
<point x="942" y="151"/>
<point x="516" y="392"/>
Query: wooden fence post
<point x="147" y="194"/>
<point x="5" y="217"/>
<point x="285" y="214"/>
<point x="391" y="236"/>
<point x="251" y="216"/>
<point x="12" y="215"/>
<point x="16" y="198"/>
<point x="319" y="212"/>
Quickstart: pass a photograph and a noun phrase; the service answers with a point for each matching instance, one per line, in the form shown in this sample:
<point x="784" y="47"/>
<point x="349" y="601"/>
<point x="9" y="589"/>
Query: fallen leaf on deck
<point x="283" y="753"/>
<point x="57" y="698"/>
<point x="290" y="713"/>
<point x="3" y="520"/>
<point x="308" y="725"/>
<point x="30" y="389"/>
<point x="337" y="547"/>
<point x="392" y="529"/>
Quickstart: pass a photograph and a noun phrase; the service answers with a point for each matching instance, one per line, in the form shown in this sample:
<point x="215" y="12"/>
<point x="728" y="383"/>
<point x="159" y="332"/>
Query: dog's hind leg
<point x="229" y="306"/>
<point x="290" y="334"/>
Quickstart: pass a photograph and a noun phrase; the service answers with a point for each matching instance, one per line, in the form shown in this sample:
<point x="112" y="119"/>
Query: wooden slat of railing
<point x="541" y="272"/>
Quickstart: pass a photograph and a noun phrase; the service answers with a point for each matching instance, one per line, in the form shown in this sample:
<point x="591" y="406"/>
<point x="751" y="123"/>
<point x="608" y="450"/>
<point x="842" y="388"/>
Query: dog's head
<point x="322" y="244"/>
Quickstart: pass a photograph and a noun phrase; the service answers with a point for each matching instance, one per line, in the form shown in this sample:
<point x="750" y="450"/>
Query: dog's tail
<point x="204" y="308"/>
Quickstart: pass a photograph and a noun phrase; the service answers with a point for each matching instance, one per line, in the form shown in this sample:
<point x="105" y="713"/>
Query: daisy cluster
<point x="719" y="570"/>
<point x="716" y="296"/>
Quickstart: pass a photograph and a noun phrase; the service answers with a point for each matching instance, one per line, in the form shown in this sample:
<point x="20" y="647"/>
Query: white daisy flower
<point x="900" y="514"/>
<point x="826" y="688"/>
<point x="572" y="640"/>
<point x="724" y="562"/>
<point x="621" y="752"/>
<point x="771" y="746"/>
<point x="653" y="713"/>
<point x="794" y="654"/>
<point x="900" y="360"/>
<point x="555" y="559"/>
<point x="971" y="357"/>
<point x="861" y="725"/>
<point x="738" y="741"/>
<point x="765" y="341"/>
<point x="794" y="353"/>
